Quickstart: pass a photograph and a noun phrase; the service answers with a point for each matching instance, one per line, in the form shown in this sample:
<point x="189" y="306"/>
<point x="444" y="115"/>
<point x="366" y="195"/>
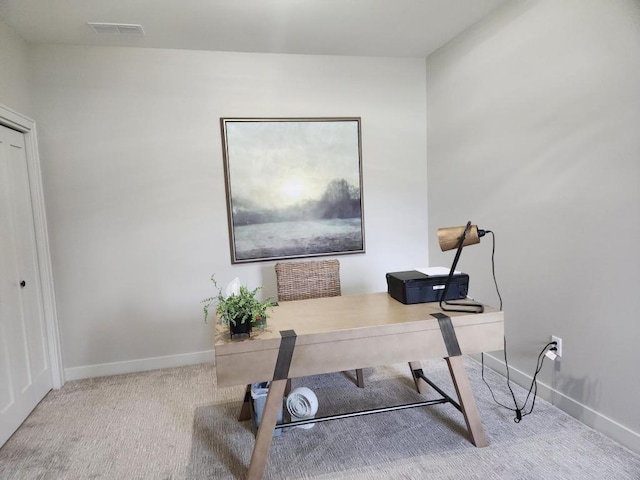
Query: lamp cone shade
<point x="449" y="237"/>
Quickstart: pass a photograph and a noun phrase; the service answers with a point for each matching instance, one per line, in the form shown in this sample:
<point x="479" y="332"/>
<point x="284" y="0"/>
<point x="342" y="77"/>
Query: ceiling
<point x="386" y="28"/>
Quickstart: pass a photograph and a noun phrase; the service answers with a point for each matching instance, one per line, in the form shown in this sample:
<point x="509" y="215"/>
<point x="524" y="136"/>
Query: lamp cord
<point x="533" y="389"/>
<point x="493" y="265"/>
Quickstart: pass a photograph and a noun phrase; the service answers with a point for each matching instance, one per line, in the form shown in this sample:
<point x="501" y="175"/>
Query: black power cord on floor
<point x="520" y="411"/>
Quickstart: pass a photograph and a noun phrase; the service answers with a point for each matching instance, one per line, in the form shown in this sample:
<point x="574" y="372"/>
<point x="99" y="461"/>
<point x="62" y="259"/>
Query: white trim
<point x="140" y="365"/>
<point x="27" y="127"/>
<point x="585" y="414"/>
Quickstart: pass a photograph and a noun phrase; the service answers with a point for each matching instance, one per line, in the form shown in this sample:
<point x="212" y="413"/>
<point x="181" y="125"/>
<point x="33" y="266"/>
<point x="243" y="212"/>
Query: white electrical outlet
<point x="558" y="341"/>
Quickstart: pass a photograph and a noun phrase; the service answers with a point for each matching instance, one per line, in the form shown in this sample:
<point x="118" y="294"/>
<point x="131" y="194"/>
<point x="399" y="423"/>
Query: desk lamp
<point x="450" y="238"/>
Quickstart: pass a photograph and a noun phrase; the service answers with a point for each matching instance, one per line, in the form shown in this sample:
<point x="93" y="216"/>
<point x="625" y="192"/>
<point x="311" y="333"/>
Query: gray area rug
<point x="175" y="424"/>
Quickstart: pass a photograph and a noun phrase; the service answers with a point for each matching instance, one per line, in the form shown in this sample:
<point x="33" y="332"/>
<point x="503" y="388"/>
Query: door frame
<point x="16" y="121"/>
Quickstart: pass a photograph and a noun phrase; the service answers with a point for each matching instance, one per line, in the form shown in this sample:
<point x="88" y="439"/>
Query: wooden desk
<point x="350" y="332"/>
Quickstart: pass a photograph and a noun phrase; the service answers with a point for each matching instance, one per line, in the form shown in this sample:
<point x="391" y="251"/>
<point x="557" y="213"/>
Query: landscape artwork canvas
<point x="294" y="187"/>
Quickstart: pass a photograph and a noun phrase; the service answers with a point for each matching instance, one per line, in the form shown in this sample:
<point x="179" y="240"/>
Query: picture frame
<point x="293" y="187"/>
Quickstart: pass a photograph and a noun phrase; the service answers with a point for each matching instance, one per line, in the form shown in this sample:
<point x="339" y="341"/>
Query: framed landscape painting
<point x="294" y="187"/>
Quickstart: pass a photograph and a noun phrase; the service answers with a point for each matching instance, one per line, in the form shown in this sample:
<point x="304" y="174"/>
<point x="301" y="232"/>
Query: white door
<point x="25" y="371"/>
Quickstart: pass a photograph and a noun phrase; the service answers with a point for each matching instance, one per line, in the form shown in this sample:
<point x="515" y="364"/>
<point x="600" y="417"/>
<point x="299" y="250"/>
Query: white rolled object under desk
<point x="302" y="404"/>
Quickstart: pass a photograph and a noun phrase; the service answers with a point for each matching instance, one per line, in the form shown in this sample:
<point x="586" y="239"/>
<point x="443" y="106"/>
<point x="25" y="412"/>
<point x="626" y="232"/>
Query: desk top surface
<point x="345" y="316"/>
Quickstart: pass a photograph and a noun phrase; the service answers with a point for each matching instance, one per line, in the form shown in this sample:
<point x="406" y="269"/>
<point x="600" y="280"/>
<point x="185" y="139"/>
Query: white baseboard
<point x="141" y="365"/>
<point x="585" y="414"/>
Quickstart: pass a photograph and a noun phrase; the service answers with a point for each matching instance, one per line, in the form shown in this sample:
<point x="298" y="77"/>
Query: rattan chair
<point x="310" y="279"/>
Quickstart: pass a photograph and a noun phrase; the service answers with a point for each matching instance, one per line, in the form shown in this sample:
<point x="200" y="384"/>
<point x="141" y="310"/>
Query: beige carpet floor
<point x="175" y="424"/>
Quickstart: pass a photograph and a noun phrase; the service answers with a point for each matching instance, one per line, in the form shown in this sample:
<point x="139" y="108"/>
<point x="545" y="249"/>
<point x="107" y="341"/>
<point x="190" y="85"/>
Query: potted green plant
<point x="240" y="307"/>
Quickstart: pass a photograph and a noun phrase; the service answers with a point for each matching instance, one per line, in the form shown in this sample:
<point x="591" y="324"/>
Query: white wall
<point x="133" y="174"/>
<point x="533" y="132"/>
<point x="14" y="71"/>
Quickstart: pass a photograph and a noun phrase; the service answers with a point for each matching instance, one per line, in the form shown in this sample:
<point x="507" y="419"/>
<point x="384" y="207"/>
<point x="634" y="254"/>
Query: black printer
<point x="412" y="286"/>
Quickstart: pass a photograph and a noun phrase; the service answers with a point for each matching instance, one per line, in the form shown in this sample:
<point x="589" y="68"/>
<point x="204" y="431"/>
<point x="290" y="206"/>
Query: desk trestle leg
<point x="461" y="381"/>
<point x="416" y="370"/>
<point x="272" y="407"/>
<point x="467" y="402"/>
<point x="245" y="412"/>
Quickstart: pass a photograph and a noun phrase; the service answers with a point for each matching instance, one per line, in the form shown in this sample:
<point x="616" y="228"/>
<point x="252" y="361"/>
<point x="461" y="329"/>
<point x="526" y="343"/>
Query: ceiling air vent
<point x="116" y="29"/>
